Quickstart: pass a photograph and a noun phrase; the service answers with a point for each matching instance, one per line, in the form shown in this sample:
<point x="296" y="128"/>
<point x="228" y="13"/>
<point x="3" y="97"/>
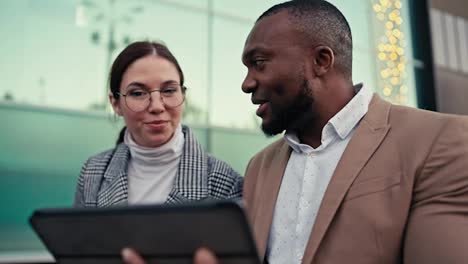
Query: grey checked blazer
<point x="103" y="178"/>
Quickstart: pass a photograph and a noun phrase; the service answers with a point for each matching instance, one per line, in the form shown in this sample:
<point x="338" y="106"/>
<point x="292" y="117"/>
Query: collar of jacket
<point x="191" y="181"/>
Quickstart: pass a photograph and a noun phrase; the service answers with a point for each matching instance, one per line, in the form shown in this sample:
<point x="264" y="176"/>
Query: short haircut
<point x="322" y="22"/>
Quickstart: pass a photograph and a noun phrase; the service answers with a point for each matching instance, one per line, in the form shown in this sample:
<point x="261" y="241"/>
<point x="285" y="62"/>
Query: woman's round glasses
<point x="138" y="99"/>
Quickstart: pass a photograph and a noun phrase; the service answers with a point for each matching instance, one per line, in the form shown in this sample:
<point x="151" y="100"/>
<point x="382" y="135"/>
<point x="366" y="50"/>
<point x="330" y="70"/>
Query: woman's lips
<point x="157" y="125"/>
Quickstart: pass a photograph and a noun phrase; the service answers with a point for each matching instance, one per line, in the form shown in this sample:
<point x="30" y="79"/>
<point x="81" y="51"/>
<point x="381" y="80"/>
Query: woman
<point x="157" y="160"/>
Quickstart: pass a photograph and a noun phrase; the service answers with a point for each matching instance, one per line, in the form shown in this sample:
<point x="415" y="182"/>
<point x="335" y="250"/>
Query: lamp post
<point x="94" y="12"/>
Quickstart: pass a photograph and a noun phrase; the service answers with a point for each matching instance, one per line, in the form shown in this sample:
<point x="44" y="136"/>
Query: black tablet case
<point x="162" y="234"/>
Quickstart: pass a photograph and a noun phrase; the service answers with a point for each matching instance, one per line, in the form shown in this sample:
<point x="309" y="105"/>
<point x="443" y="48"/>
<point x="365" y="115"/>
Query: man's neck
<point x="312" y="134"/>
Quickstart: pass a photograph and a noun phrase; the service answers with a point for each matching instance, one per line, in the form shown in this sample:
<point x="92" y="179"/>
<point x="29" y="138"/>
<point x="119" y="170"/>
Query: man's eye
<point x="258" y="62"/>
<point x="137" y="93"/>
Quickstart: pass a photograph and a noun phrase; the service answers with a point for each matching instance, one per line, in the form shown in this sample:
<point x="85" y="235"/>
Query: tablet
<point x="162" y="234"/>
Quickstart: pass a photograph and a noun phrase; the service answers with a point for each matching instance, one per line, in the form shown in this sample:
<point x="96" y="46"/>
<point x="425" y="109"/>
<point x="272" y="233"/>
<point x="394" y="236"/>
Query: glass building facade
<point x="56" y="56"/>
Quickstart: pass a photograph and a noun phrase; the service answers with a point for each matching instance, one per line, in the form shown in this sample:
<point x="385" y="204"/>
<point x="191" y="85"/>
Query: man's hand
<point x="202" y="256"/>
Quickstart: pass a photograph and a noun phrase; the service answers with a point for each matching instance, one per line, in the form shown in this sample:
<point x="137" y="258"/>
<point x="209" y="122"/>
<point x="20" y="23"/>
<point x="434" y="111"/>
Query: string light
<point x="391" y="51"/>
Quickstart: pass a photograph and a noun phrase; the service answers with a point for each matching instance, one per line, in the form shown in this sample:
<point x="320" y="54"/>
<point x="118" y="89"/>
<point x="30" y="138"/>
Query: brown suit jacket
<point x="398" y="195"/>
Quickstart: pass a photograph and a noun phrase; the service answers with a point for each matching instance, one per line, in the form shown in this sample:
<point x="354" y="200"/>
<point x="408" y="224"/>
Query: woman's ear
<point x="324" y="60"/>
<point x="115" y="104"/>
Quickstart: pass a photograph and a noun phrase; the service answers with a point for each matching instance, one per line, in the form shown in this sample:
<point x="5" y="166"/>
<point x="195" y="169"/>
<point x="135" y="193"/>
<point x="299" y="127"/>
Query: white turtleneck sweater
<point x="152" y="171"/>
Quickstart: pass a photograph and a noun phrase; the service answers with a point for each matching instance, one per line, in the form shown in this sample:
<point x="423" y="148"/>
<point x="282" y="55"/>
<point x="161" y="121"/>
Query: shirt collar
<point x="341" y="124"/>
<point x="349" y="116"/>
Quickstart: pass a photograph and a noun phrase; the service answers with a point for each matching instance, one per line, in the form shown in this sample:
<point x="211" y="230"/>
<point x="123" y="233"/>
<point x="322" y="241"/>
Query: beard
<point x="294" y="116"/>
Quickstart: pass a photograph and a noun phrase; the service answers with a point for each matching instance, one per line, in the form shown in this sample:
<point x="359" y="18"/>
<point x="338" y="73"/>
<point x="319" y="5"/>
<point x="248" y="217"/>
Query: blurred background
<point x="56" y="54"/>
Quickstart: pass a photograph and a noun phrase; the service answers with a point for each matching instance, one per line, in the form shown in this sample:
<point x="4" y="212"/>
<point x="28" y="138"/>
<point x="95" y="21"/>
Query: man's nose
<point x="249" y="84"/>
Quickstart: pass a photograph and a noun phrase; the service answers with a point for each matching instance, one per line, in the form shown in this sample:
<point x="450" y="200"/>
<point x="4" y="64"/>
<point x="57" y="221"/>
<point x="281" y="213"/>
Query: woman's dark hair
<point x="130" y="54"/>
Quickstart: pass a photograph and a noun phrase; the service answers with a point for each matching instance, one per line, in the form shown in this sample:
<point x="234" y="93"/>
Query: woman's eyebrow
<point x="144" y="86"/>
<point x="170" y="82"/>
<point x="138" y="84"/>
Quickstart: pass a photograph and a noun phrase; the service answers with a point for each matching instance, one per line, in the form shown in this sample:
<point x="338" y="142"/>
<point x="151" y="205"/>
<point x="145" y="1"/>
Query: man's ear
<point x="115" y="104"/>
<point x="324" y="60"/>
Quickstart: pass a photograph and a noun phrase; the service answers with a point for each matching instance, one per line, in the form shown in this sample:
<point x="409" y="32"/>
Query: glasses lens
<point x="139" y="101"/>
<point x="172" y="97"/>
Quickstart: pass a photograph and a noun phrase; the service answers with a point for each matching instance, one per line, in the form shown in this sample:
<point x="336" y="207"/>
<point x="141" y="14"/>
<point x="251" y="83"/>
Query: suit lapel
<point x="366" y="139"/>
<point x="269" y="189"/>
<point x="114" y="188"/>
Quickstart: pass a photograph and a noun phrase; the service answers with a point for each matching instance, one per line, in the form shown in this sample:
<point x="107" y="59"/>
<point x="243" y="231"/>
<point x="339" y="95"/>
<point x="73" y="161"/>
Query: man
<point x="355" y="179"/>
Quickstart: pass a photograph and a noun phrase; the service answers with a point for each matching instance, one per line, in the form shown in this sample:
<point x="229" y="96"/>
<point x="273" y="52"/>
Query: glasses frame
<point x="183" y="89"/>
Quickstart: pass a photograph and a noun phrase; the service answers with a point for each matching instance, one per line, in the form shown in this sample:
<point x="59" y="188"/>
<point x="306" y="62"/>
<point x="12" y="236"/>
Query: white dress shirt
<point x="305" y="181"/>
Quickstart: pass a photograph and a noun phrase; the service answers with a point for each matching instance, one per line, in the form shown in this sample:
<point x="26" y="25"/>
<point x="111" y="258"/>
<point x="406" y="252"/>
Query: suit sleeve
<point x="437" y="230"/>
<point x="249" y="185"/>
<point x="79" y="192"/>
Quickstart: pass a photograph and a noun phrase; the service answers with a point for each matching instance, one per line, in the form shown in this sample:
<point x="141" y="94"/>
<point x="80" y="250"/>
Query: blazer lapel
<point x="191" y="182"/>
<point x="366" y="139"/>
<point x="114" y="188"/>
<point x="269" y="189"/>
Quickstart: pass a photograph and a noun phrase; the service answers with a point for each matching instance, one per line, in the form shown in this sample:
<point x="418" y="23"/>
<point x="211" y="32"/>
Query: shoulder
<point x="259" y="168"/>
<point x="99" y="160"/>
<point x="90" y="178"/>
<point x="274" y="152"/>
<point x="96" y="165"/>
<point x="269" y="151"/>
<point x="94" y="169"/>
<point x="407" y="119"/>
<point x="399" y="111"/>
<point x="219" y="167"/>
<point x="224" y="182"/>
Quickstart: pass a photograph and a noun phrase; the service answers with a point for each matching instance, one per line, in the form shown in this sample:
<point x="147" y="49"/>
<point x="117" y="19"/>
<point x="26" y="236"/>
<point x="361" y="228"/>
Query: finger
<point x="205" y="256"/>
<point x="130" y="256"/>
